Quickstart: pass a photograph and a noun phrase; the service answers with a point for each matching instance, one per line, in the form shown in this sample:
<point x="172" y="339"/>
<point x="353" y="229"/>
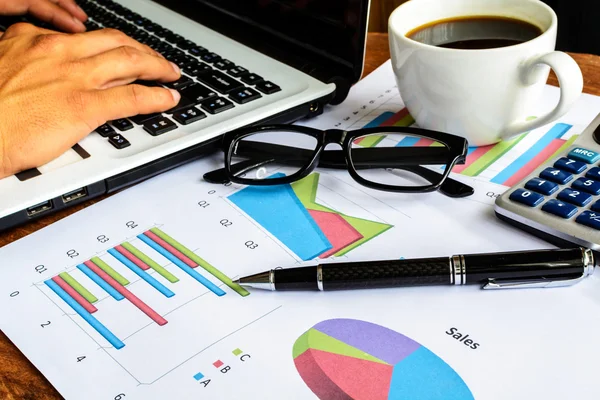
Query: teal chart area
<point x="348" y="358"/>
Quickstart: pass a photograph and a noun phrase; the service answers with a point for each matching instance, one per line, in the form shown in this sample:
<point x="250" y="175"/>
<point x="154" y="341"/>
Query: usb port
<point x="74" y="195"/>
<point x="39" y="208"/>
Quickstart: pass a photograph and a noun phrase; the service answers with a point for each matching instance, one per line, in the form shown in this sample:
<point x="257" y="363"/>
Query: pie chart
<point x="343" y="359"/>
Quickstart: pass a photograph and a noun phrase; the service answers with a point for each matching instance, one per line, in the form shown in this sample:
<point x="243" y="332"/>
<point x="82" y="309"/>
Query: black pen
<point x="523" y="269"/>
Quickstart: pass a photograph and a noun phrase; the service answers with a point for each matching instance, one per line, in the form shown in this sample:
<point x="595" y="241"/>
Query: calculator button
<point x="118" y="141"/>
<point x="188" y="115"/>
<point x="575" y="197"/>
<point x="585" y="155"/>
<point x="159" y="125"/>
<point x="572" y="166"/>
<point x="556" y="175"/>
<point x="105" y="130"/>
<point x="596" y="206"/>
<point x="593" y="173"/>
<point x="526" y="197"/>
<point x="559" y="208"/>
<point x="587" y="185"/>
<point x="589" y="218"/>
<point x="541" y="186"/>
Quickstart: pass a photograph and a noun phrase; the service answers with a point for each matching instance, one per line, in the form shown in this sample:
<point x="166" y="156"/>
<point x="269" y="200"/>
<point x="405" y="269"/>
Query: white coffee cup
<point x="483" y="95"/>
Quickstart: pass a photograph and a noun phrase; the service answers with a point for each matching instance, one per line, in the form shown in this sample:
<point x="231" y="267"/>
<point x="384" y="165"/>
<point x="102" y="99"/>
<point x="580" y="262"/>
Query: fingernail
<point x="176" y="68"/>
<point x="79" y="23"/>
<point x="176" y="95"/>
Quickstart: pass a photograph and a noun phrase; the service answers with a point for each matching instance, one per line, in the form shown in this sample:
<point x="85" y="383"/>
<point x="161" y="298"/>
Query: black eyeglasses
<point x="395" y="159"/>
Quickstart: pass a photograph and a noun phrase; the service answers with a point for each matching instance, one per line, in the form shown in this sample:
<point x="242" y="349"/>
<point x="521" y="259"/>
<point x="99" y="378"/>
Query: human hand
<point x="64" y="14"/>
<point x="56" y="88"/>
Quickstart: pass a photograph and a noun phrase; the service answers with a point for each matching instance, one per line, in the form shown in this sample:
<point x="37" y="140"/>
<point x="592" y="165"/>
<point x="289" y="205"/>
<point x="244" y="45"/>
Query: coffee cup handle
<point x="571" y="85"/>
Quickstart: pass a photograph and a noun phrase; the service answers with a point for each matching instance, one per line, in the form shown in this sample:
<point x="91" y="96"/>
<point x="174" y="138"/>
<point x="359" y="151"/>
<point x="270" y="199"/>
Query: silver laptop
<point x="244" y="62"/>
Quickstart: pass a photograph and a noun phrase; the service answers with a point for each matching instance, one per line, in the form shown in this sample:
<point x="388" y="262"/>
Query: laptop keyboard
<point x="209" y="84"/>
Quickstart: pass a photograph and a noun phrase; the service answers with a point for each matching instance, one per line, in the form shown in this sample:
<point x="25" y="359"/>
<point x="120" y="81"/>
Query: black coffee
<point x="472" y="33"/>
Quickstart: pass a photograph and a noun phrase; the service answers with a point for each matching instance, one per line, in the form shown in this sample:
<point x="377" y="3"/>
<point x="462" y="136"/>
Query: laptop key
<point x="219" y="81"/>
<point x="197" y="51"/>
<point x="159" y="125"/>
<point x="198" y="93"/>
<point x="210" y="57"/>
<point x="186" y="44"/>
<point x="216" y="105"/>
<point x="188" y="115"/>
<point x="194" y="69"/>
<point x="122" y="124"/>
<point x="118" y="141"/>
<point x="184" y="102"/>
<point x="244" y="95"/>
<point x="267" y="87"/>
<point x="223" y="64"/>
<point x="251" y="78"/>
<point x="105" y="130"/>
<point x="237" y="71"/>
<point x="141" y="118"/>
<point x="180" y="83"/>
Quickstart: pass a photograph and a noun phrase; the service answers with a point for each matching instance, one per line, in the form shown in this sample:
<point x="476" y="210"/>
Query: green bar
<point x="237" y="352"/>
<point x="111" y="272"/>
<point x="78" y="287"/>
<point x="406" y="121"/>
<point x="371" y="141"/>
<point x="201" y="262"/>
<point x="565" y="146"/>
<point x="150" y="262"/>
<point x="494" y="154"/>
<point x="491" y="156"/>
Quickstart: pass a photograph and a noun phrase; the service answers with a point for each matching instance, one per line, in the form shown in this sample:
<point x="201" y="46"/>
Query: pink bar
<point x="423" y="143"/>
<point x="535" y="162"/>
<point x="471" y="158"/>
<point x="89" y="307"/>
<point x="336" y="229"/>
<point x="132" y="258"/>
<point x="171" y="249"/>
<point x="396" y="117"/>
<point x="127" y="294"/>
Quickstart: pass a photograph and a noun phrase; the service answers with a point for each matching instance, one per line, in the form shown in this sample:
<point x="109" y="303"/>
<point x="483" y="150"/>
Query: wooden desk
<point x="20" y="380"/>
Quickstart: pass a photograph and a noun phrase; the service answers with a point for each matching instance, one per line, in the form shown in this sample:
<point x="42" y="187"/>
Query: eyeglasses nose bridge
<point x="335" y="136"/>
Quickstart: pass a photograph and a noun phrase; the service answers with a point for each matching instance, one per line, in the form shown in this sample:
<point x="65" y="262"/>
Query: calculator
<point x="560" y="200"/>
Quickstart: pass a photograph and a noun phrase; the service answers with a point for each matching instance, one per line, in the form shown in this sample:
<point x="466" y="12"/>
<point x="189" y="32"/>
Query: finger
<point x="48" y="11"/>
<point x="23" y="28"/>
<point x="100" y="41"/>
<point x="73" y="9"/>
<point x="126" y="64"/>
<point x="129" y="100"/>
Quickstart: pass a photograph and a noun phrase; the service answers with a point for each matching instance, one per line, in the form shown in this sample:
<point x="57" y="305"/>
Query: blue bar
<point x="556" y="132"/>
<point x="89" y="318"/>
<point x="279" y="211"/>
<point x="187" y="269"/>
<point x="141" y="273"/>
<point x="408" y="141"/>
<point x="100" y="282"/>
<point x="379" y="120"/>
<point x="199" y="376"/>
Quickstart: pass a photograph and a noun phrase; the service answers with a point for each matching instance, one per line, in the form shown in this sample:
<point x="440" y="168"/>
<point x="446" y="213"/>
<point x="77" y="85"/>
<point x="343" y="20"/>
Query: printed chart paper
<point x="133" y="297"/>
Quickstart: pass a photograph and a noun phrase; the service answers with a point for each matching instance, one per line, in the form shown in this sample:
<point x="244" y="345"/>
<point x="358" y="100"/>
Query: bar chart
<point x="504" y="163"/>
<point x="318" y="231"/>
<point x="103" y="273"/>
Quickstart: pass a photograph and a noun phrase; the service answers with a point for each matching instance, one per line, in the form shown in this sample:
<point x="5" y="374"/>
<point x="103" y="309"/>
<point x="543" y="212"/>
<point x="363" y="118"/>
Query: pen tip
<point x="236" y="281"/>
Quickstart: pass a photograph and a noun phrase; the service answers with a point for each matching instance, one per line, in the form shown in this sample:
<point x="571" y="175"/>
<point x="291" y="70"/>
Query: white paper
<point x="537" y="343"/>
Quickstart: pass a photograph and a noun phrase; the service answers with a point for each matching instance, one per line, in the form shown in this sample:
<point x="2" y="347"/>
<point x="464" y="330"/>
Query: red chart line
<point x="171" y="249"/>
<point x="535" y="162"/>
<point x="471" y="158"/>
<point x="127" y="294"/>
<point x="397" y="117"/>
<point x="132" y="258"/>
<point x="89" y="307"/>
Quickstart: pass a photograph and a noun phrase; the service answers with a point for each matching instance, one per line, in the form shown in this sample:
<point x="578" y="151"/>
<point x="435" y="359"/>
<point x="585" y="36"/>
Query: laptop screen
<point x="330" y="29"/>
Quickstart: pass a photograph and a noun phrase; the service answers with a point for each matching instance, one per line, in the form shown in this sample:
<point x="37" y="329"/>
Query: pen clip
<point x="528" y="284"/>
